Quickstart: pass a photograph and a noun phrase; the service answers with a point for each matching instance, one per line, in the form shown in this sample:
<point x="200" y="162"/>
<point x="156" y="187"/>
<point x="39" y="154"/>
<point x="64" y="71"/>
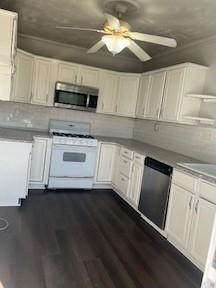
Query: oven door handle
<point x="71" y="148"/>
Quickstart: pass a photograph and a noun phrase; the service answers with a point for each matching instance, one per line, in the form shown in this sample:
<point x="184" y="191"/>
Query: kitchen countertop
<point x="20" y="135"/>
<point x="160" y="154"/>
<point x="166" y="156"/>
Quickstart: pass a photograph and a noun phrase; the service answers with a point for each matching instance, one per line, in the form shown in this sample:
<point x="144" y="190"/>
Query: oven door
<point x="73" y="161"/>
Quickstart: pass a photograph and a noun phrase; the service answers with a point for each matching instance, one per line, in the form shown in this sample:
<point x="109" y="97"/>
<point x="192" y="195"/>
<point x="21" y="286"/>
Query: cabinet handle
<point x="116" y="108"/>
<point x="102" y="107"/>
<point x="125" y="161"/>
<point x="75" y="79"/>
<point x="143" y="111"/>
<point x="81" y="79"/>
<point x="196" y="207"/>
<point x="161" y="112"/>
<point x="137" y="157"/>
<point x="190" y="203"/>
<point x="123" y="179"/>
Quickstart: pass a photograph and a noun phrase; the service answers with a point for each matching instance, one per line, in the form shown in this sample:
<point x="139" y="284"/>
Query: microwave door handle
<point x="88" y="99"/>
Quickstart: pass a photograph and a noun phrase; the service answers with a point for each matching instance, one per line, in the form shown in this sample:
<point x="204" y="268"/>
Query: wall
<point x="37" y="117"/>
<point x="75" y="54"/>
<point x="195" y="142"/>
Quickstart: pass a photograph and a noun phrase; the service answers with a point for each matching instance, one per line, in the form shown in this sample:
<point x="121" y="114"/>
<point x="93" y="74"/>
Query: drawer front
<point x="123" y="184"/>
<point x="184" y="180"/>
<point x="126" y="166"/>
<point x="207" y="191"/>
<point x="138" y="158"/>
<point x="126" y="153"/>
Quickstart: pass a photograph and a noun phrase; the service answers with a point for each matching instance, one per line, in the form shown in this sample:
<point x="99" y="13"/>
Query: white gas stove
<point x="73" y="157"/>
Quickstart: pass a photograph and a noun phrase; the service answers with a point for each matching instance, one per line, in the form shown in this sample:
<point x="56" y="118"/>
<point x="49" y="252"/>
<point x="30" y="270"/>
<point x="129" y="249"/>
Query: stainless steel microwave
<point x="75" y="97"/>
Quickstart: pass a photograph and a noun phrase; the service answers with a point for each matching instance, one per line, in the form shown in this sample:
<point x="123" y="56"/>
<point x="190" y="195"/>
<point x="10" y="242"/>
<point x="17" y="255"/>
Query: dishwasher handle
<point x="158" y="166"/>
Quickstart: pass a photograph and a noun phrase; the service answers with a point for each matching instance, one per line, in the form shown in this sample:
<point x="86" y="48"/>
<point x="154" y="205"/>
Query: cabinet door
<point x="68" y="73"/>
<point x="201" y="231"/>
<point x="145" y="81"/>
<point x="108" y="92"/>
<point x="127" y="95"/>
<point x="116" y="166"/>
<point x="179" y="215"/>
<point x="22" y="88"/>
<point x="88" y="77"/>
<point x="105" y="163"/>
<point x="155" y="95"/>
<point x="38" y="160"/>
<point x="172" y="94"/>
<point x="8" y="32"/>
<point x="135" y="184"/>
<point x="42" y="78"/>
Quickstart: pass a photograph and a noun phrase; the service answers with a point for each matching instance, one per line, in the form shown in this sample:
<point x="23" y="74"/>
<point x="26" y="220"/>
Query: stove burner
<point x="72" y="135"/>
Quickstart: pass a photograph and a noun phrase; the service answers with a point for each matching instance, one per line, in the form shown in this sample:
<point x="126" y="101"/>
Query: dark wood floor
<point x="86" y="239"/>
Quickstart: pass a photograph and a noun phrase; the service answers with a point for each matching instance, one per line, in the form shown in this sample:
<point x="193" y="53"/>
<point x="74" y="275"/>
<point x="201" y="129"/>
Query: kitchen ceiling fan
<point x="118" y="36"/>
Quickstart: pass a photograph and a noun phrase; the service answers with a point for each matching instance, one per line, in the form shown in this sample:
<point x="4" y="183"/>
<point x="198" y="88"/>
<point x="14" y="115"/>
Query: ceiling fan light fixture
<point x="115" y="43"/>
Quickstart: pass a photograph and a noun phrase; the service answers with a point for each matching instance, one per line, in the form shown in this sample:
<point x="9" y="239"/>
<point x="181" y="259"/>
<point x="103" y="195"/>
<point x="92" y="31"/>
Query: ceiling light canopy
<point x="115" y="43"/>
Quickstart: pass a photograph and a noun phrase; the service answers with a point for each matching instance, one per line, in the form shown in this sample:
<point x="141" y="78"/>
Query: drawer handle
<point x="123" y="179"/>
<point x="196" y="207"/>
<point x="125" y="161"/>
<point x="137" y="157"/>
<point x="125" y="152"/>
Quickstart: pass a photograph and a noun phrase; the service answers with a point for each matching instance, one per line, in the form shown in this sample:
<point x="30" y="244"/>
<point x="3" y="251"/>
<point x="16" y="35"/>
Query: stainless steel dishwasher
<point x="155" y="191"/>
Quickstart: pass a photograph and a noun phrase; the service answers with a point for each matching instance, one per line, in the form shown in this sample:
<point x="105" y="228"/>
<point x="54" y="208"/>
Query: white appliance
<point x="73" y="158"/>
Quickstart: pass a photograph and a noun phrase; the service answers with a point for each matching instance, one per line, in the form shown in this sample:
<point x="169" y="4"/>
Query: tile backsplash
<point x="37" y="117"/>
<point x="192" y="141"/>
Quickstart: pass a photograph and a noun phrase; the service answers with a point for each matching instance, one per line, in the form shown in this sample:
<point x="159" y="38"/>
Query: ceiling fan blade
<point x="138" y="51"/>
<point x="113" y="21"/>
<point x="81" y="29"/>
<point x="96" y="47"/>
<point x="153" y="39"/>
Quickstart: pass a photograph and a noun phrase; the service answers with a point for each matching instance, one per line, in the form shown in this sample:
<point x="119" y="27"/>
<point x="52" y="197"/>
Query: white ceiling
<point x="184" y="20"/>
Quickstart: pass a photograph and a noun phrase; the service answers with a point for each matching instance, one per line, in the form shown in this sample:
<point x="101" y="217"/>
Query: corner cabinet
<point x="155" y="95"/>
<point x="127" y="95"/>
<point x="105" y="161"/>
<point x="41" y="154"/>
<point x="108" y="92"/>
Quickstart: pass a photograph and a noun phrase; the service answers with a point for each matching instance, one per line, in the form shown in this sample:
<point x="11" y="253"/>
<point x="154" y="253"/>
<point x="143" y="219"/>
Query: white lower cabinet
<point x="190" y="217"/>
<point x="41" y="154"/>
<point x="179" y="214"/>
<point x="116" y="164"/>
<point x="105" y="161"/>
<point x="135" y="183"/>
<point x="201" y="229"/>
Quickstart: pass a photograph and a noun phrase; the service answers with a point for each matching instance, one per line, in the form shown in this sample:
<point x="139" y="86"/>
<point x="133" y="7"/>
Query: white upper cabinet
<point x="8" y="35"/>
<point x="22" y="86"/>
<point x="68" y="73"/>
<point x="108" y="92"/>
<point x="78" y="74"/>
<point x="43" y="91"/>
<point x="8" y="32"/>
<point x="155" y="95"/>
<point x="172" y="94"/>
<point x="127" y="95"/>
<point x="145" y="81"/>
<point x="88" y="76"/>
